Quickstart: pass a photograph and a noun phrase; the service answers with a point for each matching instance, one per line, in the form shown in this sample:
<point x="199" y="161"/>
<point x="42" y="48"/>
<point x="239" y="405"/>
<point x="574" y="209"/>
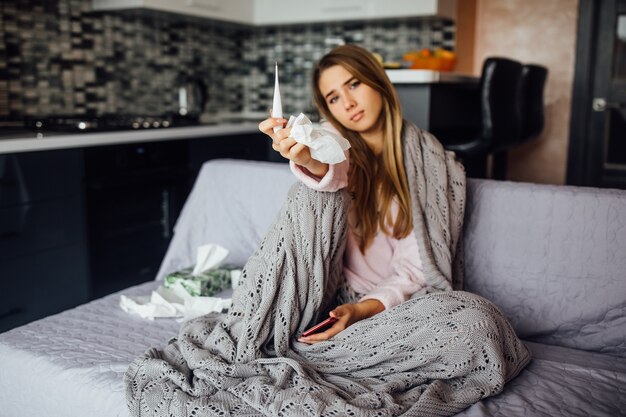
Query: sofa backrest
<point x="233" y="203"/>
<point x="553" y="258"/>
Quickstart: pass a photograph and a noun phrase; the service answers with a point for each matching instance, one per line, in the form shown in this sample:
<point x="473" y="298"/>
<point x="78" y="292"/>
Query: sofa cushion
<point x="553" y="258"/>
<point x="79" y="358"/>
<point x="72" y="364"/>
<point x="560" y="382"/>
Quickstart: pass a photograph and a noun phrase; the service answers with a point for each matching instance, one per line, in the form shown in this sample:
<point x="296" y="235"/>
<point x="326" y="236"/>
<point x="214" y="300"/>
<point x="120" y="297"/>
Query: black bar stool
<point x="501" y="116"/>
<point x="533" y="83"/>
<point x="532" y="114"/>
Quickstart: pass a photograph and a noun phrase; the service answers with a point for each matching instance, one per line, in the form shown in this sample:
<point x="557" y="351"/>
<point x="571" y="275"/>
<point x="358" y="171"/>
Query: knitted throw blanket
<point x="435" y="354"/>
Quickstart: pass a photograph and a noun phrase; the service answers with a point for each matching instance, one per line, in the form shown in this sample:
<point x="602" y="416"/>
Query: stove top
<point x="107" y="123"/>
<point x="78" y="124"/>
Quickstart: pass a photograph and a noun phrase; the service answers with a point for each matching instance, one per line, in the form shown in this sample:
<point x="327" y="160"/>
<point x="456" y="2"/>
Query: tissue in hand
<point x="325" y="146"/>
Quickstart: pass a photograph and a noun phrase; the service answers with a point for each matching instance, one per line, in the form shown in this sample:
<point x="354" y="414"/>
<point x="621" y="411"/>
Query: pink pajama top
<point x="390" y="270"/>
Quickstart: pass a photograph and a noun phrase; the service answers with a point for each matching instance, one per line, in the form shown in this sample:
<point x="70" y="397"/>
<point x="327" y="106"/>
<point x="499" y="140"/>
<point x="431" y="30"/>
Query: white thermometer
<point x="277" y="107"/>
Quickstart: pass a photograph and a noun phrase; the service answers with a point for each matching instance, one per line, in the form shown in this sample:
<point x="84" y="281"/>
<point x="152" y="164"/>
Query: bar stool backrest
<point x="501" y="102"/>
<point x="533" y="115"/>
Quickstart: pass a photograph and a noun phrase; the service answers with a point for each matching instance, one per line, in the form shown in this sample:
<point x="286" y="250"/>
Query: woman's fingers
<point x="342" y="314"/>
<point x="294" y="151"/>
<point x="267" y="126"/>
<point x="325" y="335"/>
<point x="270" y="123"/>
<point x="300" y="154"/>
<point x="285" y="145"/>
<point x="282" y="133"/>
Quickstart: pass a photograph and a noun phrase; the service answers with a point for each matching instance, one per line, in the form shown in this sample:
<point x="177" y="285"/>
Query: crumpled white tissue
<point x="172" y="302"/>
<point x="325" y="146"/>
<point x="176" y="301"/>
<point x="208" y="257"/>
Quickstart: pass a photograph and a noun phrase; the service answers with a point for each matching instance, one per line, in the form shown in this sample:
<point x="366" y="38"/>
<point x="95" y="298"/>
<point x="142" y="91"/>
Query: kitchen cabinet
<point x="239" y="11"/>
<point x="288" y="12"/>
<point x="134" y="193"/>
<point x="271" y="12"/>
<point x="43" y="257"/>
<point x="449" y="110"/>
<point x="253" y="146"/>
<point x="405" y="8"/>
<point x="78" y="224"/>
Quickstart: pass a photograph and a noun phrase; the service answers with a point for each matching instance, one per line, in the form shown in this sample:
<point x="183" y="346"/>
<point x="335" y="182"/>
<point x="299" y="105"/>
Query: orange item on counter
<point x="439" y="60"/>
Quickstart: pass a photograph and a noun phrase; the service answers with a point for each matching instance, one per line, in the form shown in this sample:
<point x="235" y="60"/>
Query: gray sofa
<point x="553" y="258"/>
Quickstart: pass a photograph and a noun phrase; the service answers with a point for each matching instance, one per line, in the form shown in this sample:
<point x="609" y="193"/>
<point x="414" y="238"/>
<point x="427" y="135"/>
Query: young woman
<point x="387" y="223"/>
<point x="354" y="95"/>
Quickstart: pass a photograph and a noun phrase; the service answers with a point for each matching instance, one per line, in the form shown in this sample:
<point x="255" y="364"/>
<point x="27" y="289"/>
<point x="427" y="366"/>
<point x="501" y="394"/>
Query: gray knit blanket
<point x="433" y="355"/>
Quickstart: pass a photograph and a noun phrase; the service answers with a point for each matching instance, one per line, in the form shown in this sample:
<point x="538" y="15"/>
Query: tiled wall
<point x="62" y="59"/>
<point x="59" y="58"/>
<point x="297" y="48"/>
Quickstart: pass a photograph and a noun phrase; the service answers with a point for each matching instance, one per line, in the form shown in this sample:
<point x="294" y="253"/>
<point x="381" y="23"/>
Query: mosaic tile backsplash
<point x="60" y="58"/>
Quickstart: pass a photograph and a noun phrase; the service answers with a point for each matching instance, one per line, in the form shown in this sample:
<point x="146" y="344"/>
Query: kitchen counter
<point x="55" y="140"/>
<point x="408" y="76"/>
<point x="446" y="104"/>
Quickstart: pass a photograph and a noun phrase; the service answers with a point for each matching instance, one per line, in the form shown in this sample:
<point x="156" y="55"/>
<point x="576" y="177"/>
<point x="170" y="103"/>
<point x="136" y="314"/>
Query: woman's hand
<point x="288" y="148"/>
<point x="346" y="315"/>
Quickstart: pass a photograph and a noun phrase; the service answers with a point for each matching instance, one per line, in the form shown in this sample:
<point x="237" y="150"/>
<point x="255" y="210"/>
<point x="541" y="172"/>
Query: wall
<point x="542" y="32"/>
<point x="60" y="58"/>
<point x="465" y="36"/>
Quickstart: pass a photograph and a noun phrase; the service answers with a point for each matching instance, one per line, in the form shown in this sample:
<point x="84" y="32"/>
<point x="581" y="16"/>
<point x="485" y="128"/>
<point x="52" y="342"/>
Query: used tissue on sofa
<point x="188" y="293"/>
<point x="172" y="302"/>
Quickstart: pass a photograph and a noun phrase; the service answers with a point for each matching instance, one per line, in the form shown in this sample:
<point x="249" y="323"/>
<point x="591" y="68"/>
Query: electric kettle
<point x="191" y="97"/>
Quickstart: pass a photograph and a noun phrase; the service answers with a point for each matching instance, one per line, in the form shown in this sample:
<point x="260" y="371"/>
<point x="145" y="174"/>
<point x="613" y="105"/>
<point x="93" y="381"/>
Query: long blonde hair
<point x="374" y="182"/>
